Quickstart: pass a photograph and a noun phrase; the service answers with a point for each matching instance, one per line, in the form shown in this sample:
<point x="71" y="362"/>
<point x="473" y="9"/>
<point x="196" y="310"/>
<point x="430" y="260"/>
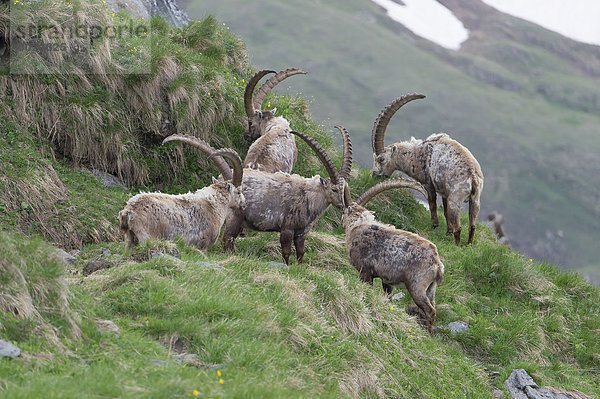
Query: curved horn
<point x="388" y="184"/>
<point x="272" y="82"/>
<point x="316" y="147"/>
<point x="384" y="117"/>
<point x="248" y="103"/>
<point x="347" y="146"/>
<point x="203" y="146"/>
<point x="236" y="163"/>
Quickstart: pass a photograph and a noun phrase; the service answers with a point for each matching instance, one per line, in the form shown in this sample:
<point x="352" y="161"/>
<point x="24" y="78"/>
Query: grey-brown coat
<point x="400" y="258"/>
<point x="197" y="217"/>
<point x="440" y="163"/>
<point x="274" y="147"/>
<point x="289" y="204"/>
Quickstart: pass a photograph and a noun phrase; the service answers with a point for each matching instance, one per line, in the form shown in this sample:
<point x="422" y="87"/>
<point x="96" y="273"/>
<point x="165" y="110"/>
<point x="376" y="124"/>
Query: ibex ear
<point x="229" y="187"/>
<point x="214" y="180"/>
<point x="323" y="181"/>
<point x="394" y="148"/>
<point x="274" y="110"/>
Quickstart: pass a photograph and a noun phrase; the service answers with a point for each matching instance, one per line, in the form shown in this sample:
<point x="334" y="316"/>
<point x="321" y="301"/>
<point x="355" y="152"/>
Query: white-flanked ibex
<point x="289" y="204"/>
<point x="275" y="148"/>
<point x="441" y="164"/>
<point x="400" y="258"/>
<point x="197" y="217"/>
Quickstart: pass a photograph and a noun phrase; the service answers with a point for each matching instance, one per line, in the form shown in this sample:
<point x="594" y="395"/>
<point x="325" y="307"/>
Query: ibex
<point x="196" y="217"/>
<point x="275" y="148"/>
<point x="400" y="258"/>
<point x="289" y="204"/>
<point x="441" y="164"/>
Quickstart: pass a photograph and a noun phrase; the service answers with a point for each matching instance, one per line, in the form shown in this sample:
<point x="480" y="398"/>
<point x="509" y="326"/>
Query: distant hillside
<point x="524" y="100"/>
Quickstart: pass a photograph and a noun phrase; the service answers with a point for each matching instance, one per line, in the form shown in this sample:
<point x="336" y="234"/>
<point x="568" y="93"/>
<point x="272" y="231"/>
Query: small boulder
<point x="107" y="326"/>
<point x="398" y="297"/>
<point x="64" y="256"/>
<point x="8" y="349"/>
<point x="277" y="264"/>
<point x="457" y="327"/>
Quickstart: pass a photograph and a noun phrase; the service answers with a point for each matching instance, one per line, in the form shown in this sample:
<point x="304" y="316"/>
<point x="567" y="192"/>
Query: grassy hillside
<point x="524" y="100"/>
<point x="257" y="329"/>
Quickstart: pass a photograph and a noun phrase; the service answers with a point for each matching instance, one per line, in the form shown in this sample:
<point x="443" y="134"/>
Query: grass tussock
<point x="35" y="298"/>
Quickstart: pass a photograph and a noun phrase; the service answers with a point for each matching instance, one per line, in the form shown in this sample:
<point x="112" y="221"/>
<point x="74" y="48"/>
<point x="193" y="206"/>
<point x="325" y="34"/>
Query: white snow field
<point x="428" y="19"/>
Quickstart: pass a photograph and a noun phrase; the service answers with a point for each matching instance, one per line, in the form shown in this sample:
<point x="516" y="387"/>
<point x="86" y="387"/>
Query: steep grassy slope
<point x="524" y="100"/>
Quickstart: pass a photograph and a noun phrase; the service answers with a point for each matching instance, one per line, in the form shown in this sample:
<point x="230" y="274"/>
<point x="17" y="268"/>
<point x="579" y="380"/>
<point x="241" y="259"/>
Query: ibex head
<point x="258" y="119"/>
<point x="336" y="186"/>
<point x="383" y="157"/>
<point x="236" y="198"/>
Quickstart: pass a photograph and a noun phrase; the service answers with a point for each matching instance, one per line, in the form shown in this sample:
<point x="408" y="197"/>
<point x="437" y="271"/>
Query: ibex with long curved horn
<point x="290" y="204"/>
<point x="441" y="164"/>
<point x="196" y="217"/>
<point x="400" y="258"/>
<point x="275" y="148"/>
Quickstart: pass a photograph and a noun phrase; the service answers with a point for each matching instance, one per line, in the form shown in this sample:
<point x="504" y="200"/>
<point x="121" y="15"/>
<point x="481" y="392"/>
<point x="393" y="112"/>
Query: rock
<point x="520" y="385"/>
<point x="158" y="362"/>
<point x="107" y="180"/>
<point x="96" y="265"/>
<point x="106" y="252"/>
<point x="8" y="349"/>
<point x="444" y="309"/>
<point x="209" y="265"/>
<point x="107" y="326"/>
<point x="398" y="296"/>
<point x="277" y="264"/>
<point x="457" y="327"/>
<point x="64" y="256"/>
<point x="166" y="257"/>
<point x="146" y="9"/>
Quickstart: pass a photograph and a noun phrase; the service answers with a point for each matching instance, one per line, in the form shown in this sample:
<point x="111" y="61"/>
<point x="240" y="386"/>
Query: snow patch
<point x="576" y="19"/>
<point x="428" y="19"/>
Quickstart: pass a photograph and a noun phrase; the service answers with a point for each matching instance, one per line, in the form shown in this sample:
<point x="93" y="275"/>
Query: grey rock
<point x="8" y="349"/>
<point x="215" y="366"/>
<point x="457" y="327"/>
<point x="65" y="256"/>
<point x="95" y="265"/>
<point x="398" y="296"/>
<point x="106" y="252"/>
<point x="107" y="180"/>
<point x="146" y="9"/>
<point x="520" y="385"/>
<point x="277" y="264"/>
<point x="186" y="358"/>
<point x="493" y="374"/>
<point x="209" y="265"/>
<point x="158" y="362"/>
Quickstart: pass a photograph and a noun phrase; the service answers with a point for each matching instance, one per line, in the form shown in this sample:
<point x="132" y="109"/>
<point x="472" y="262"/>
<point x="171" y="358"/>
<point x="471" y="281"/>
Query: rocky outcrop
<point x="168" y="9"/>
<point x="520" y="385"/>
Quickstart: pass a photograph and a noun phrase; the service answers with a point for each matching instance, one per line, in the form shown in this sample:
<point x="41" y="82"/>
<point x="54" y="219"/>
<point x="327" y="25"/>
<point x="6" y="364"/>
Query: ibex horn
<point x="389" y="184"/>
<point x="377" y="136"/>
<point x="206" y="148"/>
<point x="316" y="147"/>
<point x="248" y="102"/>
<point x="236" y="163"/>
<point x="272" y="82"/>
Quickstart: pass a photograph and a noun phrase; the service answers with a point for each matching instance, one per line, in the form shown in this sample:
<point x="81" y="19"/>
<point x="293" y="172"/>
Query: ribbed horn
<point x="272" y="82"/>
<point x="389" y="184"/>
<point x="377" y="136"/>
<point x="206" y="148"/>
<point x="347" y="151"/>
<point x="316" y="147"/>
<point x="248" y="101"/>
<point x="236" y="163"/>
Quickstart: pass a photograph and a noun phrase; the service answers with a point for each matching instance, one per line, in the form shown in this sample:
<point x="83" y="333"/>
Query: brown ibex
<point x="289" y="204"/>
<point x="197" y="217"/>
<point x="441" y="164"/>
<point x="275" y="148"/>
<point x="400" y="258"/>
